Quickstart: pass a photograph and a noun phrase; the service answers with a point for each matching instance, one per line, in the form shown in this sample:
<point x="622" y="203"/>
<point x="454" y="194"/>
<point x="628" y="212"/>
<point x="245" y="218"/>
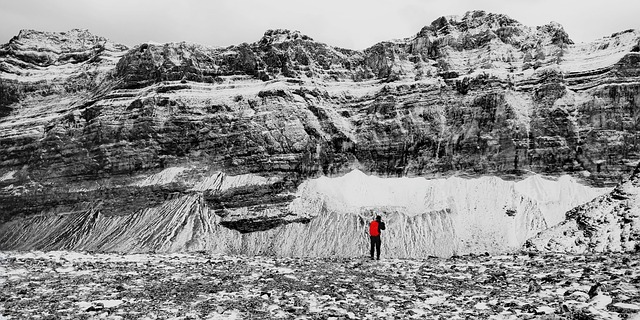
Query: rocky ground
<point x="69" y="285"/>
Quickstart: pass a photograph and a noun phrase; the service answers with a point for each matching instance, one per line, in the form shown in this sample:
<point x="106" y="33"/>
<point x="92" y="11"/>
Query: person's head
<point x="378" y="218"/>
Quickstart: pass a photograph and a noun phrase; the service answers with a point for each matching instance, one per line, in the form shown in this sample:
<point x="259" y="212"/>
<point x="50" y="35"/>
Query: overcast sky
<point x="354" y="24"/>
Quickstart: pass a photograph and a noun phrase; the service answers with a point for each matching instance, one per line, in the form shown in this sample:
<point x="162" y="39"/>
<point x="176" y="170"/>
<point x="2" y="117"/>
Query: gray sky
<point x="355" y="24"/>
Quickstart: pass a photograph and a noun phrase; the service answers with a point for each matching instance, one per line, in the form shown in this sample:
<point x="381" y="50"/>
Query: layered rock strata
<point x="89" y="127"/>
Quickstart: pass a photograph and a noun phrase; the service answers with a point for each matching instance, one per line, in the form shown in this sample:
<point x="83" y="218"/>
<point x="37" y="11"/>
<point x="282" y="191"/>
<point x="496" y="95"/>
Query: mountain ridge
<point x="97" y="129"/>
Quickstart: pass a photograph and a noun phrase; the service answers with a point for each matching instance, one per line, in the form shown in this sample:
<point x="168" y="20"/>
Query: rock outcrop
<point x="92" y="130"/>
<point x="609" y="223"/>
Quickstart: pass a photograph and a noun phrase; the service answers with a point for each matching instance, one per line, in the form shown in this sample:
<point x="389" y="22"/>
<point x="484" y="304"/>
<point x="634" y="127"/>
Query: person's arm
<point x="381" y="225"/>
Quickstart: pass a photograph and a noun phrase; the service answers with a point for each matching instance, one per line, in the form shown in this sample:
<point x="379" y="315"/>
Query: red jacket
<point x="375" y="227"/>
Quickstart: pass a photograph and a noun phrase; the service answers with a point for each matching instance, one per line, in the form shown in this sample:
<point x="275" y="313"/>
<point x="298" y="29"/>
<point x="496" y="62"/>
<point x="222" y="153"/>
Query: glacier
<point x="425" y="217"/>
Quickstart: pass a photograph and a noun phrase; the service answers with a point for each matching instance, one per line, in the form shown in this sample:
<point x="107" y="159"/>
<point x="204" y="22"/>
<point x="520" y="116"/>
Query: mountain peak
<point x="476" y="19"/>
<point x="45" y="48"/>
<point x="73" y="36"/>
<point x="557" y="33"/>
<point x="273" y="36"/>
<point x="483" y="17"/>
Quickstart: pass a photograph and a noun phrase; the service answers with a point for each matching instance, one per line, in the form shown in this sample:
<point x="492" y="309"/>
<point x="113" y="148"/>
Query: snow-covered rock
<point x="610" y="222"/>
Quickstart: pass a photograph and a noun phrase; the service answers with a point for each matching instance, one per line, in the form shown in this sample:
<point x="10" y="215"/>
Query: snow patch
<point x="109" y="303"/>
<point x="598" y="54"/>
<point x="8" y="176"/>
<point x="357" y="192"/>
<point x="231" y="182"/>
<point x="555" y="197"/>
<point x="165" y="176"/>
<point x="521" y="105"/>
<point x="222" y="182"/>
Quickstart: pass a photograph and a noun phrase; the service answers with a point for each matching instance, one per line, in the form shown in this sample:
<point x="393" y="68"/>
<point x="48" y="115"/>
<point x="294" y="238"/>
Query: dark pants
<point x="375" y="246"/>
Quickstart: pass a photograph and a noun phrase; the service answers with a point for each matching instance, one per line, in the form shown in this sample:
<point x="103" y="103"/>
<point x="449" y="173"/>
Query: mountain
<point x="181" y="146"/>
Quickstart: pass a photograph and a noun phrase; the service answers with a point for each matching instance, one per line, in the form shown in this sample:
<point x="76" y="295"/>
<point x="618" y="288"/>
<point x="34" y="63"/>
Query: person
<point x="375" y="228"/>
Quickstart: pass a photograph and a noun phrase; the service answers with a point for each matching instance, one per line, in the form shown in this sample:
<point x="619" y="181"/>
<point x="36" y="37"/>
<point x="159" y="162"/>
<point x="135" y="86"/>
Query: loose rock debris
<point x="71" y="285"/>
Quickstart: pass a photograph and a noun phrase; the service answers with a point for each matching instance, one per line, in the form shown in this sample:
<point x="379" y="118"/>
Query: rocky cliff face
<point x="95" y="133"/>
